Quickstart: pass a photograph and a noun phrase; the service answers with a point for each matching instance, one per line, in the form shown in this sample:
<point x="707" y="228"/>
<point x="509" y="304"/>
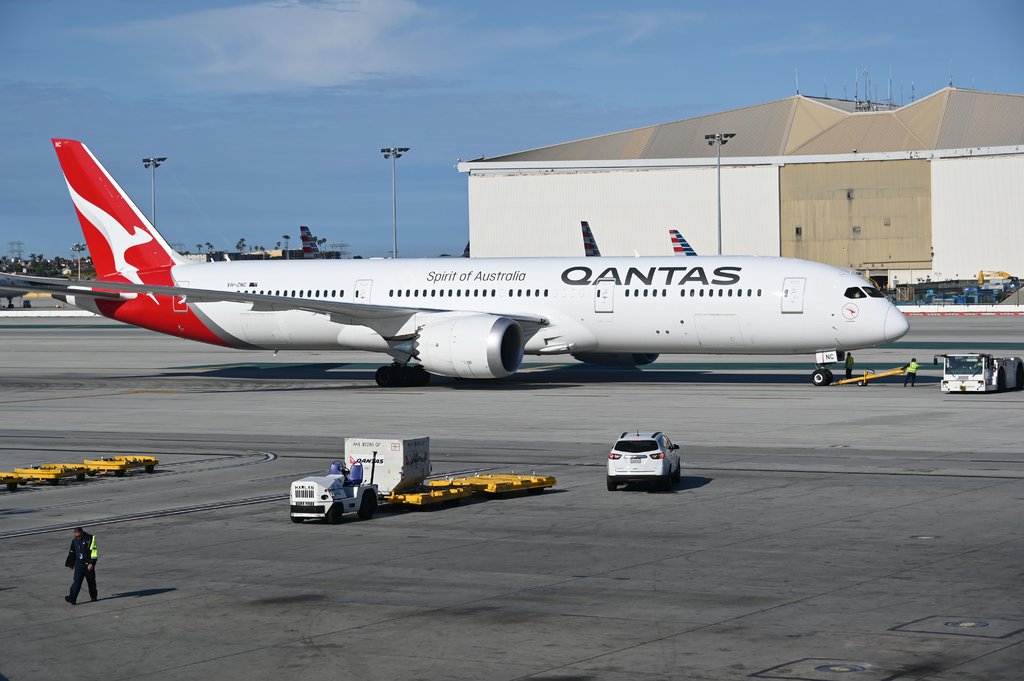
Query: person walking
<point x="911" y="373"/>
<point x="82" y="557"/>
<point x="849" y="365"/>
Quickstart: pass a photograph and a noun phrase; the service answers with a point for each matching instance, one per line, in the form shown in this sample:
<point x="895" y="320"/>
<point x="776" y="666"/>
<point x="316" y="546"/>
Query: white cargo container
<point x="393" y="465"/>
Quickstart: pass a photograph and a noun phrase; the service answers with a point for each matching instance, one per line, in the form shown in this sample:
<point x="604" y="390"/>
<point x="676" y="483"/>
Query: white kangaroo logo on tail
<point x="117" y="236"/>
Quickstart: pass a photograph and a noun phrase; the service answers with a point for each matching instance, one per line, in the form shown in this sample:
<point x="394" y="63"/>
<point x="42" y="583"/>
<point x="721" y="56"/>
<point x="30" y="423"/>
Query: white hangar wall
<point x="630" y="210"/>
<point x="977" y="216"/>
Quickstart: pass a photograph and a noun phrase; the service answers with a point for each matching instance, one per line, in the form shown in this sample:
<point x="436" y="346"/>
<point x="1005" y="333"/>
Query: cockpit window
<point x="855" y="292"/>
<point x="873" y="292"/>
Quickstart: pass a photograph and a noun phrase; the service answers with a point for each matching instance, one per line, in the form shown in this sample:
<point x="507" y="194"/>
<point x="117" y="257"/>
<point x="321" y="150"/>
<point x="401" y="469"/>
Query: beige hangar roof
<point x="951" y="118"/>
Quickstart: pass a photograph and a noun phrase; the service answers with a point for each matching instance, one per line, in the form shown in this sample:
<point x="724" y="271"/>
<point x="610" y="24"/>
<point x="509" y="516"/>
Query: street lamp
<point x="154" y="163"/>
<point x="78" y="248"/>
<point x="394" y="153"/>
<point x="718" y="139"/>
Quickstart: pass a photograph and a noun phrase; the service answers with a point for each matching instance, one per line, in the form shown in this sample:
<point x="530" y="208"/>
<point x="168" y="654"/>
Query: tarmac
<point x="869" y="533"/>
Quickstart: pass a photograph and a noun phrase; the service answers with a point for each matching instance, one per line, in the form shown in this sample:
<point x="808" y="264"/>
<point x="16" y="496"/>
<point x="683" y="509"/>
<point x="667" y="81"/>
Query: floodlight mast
<point x="394" y="153"/>
<point x="153" y="162"/>
<point x="718" y="139"/>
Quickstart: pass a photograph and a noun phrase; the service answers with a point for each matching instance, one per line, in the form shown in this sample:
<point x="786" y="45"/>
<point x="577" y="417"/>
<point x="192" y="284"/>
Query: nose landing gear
<point x="821" y="376"/>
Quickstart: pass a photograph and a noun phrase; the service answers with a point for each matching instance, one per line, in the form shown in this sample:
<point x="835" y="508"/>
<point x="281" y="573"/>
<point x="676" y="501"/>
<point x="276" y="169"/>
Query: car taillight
<point x="614" y="455"/>
<point x="658" y="455"/>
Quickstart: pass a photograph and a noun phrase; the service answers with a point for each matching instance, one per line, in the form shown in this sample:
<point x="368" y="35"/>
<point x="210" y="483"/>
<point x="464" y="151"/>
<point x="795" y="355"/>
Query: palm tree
<point x="209" y="247"/>
<point x="240" y="246"/>
<point x="286" y="238"/>
<point x="199" y="248"/>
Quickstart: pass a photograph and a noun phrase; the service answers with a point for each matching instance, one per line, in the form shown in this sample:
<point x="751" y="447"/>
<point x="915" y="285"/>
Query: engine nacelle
<point x="471" y="346"/>
<point x="622" y="359"/>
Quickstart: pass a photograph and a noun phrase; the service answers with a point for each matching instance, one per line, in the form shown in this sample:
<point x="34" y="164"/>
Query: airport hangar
<point x="928" y="191"/>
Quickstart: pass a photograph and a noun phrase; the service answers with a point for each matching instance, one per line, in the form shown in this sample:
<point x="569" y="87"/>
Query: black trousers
<point x="912" y="377"/>
<point x="81" y="572"/>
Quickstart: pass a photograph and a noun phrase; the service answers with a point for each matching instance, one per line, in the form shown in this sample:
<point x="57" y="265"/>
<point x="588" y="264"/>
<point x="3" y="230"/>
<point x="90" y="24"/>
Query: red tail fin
<point x="122" y="243"/>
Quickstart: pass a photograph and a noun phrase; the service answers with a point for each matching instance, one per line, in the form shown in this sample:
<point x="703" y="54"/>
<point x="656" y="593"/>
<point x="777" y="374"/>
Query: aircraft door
<point x="363" y="287"/>
<point x="793" y="295"/>
<point x="604" y="297"/>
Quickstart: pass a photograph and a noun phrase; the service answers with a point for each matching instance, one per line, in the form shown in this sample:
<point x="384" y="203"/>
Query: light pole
<point x="394" y="153"/>
<point x="718" y="139"/>
<point x="78" y="248"/>
<point x="154" y="163"/>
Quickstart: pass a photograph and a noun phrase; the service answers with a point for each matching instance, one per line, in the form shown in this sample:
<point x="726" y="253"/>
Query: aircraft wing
<point x="341" y="312"/>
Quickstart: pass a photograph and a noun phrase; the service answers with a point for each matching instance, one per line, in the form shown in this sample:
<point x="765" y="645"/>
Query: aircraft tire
<point x="820" y="377"/>
<point x="386" y="377"/>
<point x="368" y="506"/>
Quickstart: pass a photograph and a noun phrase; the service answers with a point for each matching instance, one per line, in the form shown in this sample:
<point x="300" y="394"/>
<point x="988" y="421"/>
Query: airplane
<point x="310" y="251"/>
<point x="679" y="244"/>
<point x="472" y="318"/>
<point x="590" y="248"/>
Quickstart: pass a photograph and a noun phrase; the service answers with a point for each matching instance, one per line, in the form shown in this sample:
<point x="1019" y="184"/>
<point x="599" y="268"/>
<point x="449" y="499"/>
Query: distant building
<point x="927" y="190"/>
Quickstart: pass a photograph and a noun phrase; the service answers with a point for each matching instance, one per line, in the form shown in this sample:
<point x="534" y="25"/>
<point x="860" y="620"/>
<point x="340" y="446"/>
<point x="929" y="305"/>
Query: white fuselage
<point x="704" y="304"/>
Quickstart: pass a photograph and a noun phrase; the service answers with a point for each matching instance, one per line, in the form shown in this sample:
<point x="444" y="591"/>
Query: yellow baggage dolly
<point x="107" y="465"/>
<point x="12" y="480"/>
<point x="498" y="483"/>
<point x="53" y="472"/>
<point x="149" y="463"/>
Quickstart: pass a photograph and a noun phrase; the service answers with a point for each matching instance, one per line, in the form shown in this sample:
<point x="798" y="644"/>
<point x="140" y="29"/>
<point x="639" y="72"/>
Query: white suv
<point x="643" y="456"/>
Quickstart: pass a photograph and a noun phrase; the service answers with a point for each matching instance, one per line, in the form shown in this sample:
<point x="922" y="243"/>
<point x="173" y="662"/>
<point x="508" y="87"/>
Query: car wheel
<point x="612" y="484"/>
<point x="368" y="506"/>
<point x="677" y="476"/>
<point x="297" y="520"/>
<point x="333" y="516"/>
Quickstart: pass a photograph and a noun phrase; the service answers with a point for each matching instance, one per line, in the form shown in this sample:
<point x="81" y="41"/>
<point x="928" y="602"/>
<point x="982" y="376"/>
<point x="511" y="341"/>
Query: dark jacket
<point x="82" y="550"/>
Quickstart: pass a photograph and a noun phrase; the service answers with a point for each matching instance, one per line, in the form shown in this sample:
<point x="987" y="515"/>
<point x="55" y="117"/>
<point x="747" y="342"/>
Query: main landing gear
<point x="401" y="375"/>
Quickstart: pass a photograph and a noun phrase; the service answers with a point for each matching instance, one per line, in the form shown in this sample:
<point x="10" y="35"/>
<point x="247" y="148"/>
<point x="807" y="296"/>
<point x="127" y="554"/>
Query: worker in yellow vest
<point x="82" y="557"/>
<point x="849" y="364"/>
<point x="911" y="372"/>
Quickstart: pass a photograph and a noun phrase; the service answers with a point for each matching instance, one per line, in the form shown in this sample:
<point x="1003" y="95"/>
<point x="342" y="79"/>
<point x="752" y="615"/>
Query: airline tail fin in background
<point x="590" y="248"/>
<point x="679" y="244"/>
<point x="121" y="241"/>
<point x="309" y="248"/>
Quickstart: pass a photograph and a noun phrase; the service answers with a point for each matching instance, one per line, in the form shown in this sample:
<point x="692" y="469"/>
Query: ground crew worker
<point x="911" y="373"/>
<point x="849" y="364"/>
<point x="82" y="557"/>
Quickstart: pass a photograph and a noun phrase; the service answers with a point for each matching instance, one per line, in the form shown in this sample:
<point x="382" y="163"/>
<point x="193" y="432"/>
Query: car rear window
<point x="636" y="446"/>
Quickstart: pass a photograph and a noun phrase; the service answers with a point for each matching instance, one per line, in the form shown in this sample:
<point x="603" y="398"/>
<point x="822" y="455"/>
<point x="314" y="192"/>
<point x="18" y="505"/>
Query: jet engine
<point x="622" y="359"/>
<point x="471" y="346"/>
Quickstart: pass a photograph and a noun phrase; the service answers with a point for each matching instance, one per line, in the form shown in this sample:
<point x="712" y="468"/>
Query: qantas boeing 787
<point x="463" y="317"/>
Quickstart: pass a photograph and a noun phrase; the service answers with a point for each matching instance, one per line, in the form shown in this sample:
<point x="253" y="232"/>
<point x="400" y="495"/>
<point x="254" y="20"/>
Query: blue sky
<point x="272" y="114"/>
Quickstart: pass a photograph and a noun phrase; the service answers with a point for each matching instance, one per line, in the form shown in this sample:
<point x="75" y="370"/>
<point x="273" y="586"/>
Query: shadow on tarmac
<point x="529" y="377"/>
<point x="141" y="593"/>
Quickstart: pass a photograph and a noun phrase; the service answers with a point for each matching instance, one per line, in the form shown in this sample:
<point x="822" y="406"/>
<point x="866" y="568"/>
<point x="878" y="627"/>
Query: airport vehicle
<point x="390" y="466"/>
<point x="650" y="457"/>
<point x="980" y="373"/>
<point x="462" y="317"/>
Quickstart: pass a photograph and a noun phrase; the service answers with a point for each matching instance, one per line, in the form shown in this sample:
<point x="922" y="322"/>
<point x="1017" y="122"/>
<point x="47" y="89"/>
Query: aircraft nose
<point x="895" y="325"/>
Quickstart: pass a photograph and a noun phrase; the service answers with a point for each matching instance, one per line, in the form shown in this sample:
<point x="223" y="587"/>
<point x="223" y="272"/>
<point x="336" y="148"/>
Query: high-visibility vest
<point x="849" y="361"/>
<point x="912" y="368"/>
<point x="94" y="550"/>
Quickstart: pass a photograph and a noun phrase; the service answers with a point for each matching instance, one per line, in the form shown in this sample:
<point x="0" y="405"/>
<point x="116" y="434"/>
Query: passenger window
<point x="730" y="293"/>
